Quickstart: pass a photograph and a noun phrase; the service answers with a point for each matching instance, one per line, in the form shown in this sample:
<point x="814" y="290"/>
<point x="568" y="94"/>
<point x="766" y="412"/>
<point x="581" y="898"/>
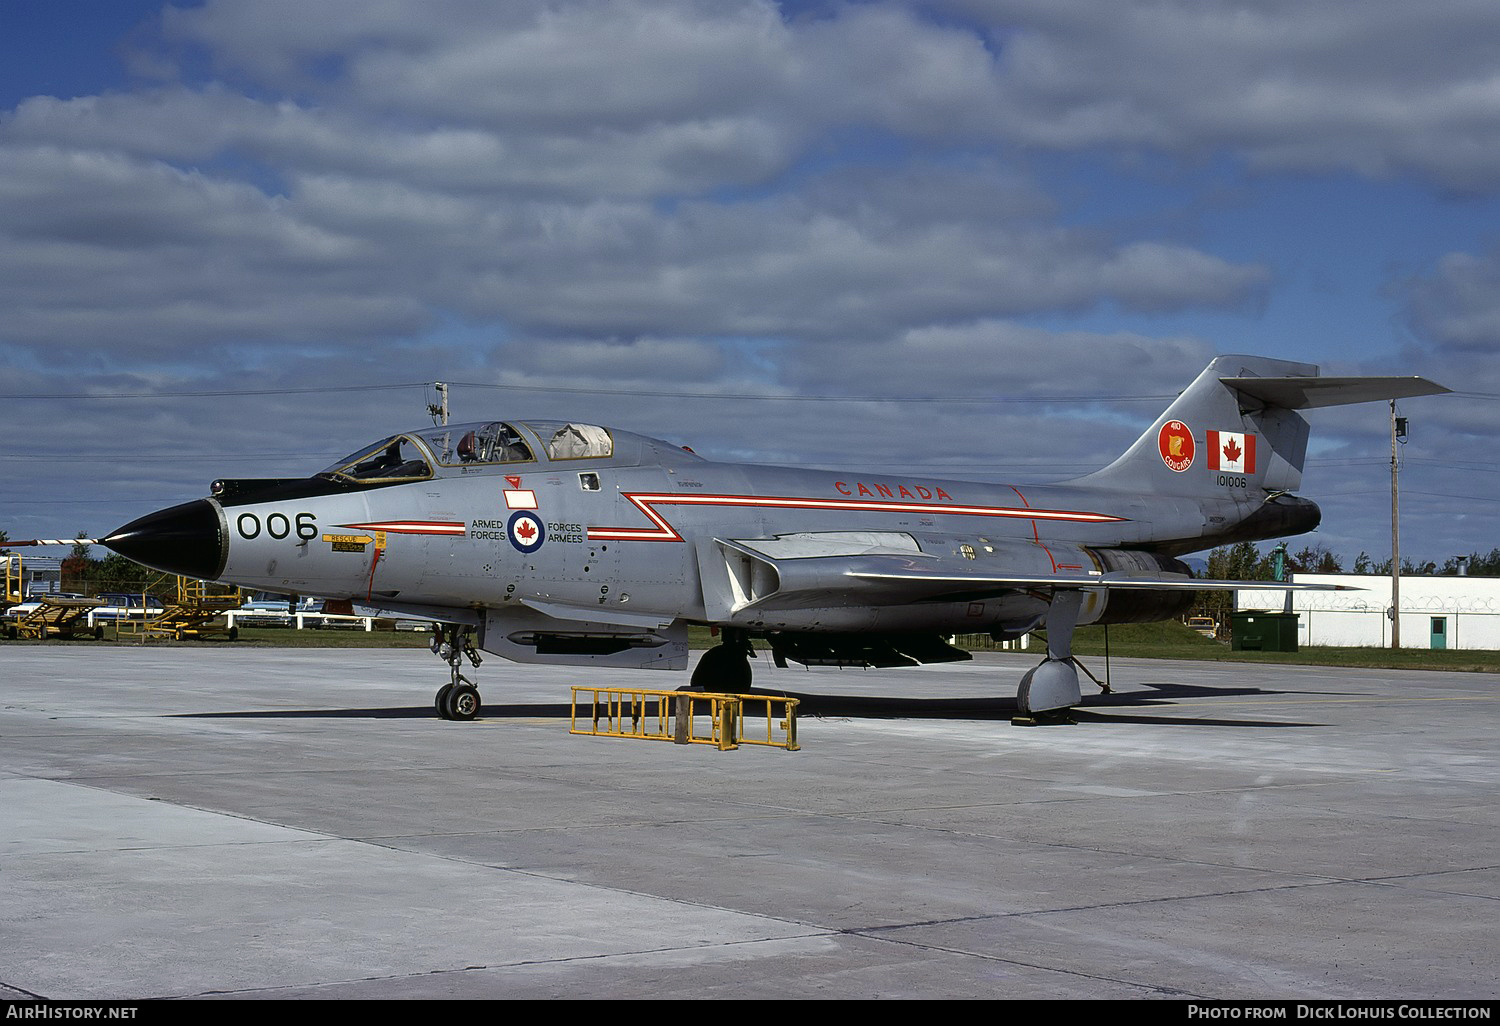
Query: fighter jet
<point x="568" y="542"/>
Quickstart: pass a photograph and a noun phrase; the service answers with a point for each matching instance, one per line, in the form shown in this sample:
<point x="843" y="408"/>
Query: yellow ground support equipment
<point x="57" y="618"/>
<point x="675" y="715"/>
<point x="197" y="612"/>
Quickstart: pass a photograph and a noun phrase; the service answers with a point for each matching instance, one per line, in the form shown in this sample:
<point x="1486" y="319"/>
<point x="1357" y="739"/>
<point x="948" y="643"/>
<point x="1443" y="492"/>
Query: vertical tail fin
<point x="1236" y="426"/>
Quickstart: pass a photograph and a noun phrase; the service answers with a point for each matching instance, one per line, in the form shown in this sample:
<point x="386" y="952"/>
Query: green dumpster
<point x="1253" y="631"/>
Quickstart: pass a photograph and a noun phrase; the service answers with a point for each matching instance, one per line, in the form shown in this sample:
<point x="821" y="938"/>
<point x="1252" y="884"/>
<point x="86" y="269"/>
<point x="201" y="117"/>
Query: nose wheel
<point x="459" y="698"/>
<point x="725" y="667"/>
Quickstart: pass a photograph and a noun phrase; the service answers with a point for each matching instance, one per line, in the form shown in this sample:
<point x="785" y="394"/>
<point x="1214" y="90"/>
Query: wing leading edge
<point x="1075" y="582"/>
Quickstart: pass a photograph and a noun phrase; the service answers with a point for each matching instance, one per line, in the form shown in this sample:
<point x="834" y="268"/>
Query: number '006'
<point x="277" y="525"/>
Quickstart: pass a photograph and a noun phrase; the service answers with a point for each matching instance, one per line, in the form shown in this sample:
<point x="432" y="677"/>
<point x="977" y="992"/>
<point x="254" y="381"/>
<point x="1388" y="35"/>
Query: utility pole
<point x="1278" y="570"/>
<point x="1398" y="433"/>
<point x="439" y="410"/>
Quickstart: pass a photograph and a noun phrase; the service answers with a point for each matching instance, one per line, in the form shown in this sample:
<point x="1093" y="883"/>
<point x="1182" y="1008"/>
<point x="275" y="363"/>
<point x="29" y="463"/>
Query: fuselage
<point x="577" y="517"/>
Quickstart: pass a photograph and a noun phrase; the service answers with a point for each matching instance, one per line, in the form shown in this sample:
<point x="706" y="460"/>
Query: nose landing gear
<point x="459" y="698"/>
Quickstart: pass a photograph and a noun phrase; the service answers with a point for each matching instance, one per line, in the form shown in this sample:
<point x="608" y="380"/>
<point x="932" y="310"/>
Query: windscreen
<point x="393" y="459"/>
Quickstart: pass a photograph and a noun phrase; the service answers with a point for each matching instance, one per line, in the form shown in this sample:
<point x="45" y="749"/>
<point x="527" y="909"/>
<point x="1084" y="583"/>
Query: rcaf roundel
<point x="525" y="531"/>
<point x="1175" y="443"/>
<point x="1231" y="451"/>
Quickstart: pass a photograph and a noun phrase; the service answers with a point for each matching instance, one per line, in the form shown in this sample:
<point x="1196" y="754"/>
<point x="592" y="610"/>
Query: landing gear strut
<point x="725" y="668"/>
<point x="1050" y="689"/>
<point x="459" y="698"/>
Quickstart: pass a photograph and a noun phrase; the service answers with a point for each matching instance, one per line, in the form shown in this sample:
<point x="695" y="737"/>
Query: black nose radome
<point x="185" y="539"/>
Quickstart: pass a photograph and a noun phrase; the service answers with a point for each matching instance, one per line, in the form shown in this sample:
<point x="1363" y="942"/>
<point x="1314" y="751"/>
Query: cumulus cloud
<point x="742" y="197"/>
<point x="104" y="254"/>
<point x="1453" y="311"/>
<point x="356" y="241"/>
<point x="1457" y="306"/>
<point x="736" y="91"/>
<point x="1384" y="90"/>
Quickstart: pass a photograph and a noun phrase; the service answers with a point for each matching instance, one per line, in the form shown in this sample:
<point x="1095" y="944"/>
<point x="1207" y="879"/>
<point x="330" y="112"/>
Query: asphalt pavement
<point x="200" y="821"/>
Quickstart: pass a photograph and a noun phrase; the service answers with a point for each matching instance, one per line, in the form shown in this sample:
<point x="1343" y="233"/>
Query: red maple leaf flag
<point x="1231" y="452"/>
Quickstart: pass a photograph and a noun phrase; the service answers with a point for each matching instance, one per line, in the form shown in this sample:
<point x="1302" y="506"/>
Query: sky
<point x="980" y="239"/>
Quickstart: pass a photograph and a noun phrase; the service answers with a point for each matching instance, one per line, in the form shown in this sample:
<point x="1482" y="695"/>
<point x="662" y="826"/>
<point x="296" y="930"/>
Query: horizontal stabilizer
<point x="1310" y="393"/>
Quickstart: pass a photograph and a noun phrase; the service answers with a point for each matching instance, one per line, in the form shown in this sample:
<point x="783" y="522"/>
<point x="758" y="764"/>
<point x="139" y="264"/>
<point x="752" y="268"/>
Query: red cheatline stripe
<point x="664" y="531"/>
<point x="411" y="527"/>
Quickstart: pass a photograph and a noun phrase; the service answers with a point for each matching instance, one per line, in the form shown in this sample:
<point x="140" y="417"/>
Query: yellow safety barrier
<point x="14" y="581"/>
<point x="674" y="715"/>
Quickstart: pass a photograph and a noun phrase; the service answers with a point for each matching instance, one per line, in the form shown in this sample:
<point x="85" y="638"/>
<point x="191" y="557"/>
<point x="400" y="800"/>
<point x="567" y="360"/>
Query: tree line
<point x="1244" y="561"/>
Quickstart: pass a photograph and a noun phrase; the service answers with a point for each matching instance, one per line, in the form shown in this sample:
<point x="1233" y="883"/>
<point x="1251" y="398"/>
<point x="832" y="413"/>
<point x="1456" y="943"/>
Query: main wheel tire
<point x="462" y="703"/>
<point x="723" y="669"/>
<point x="1050" y="686"/>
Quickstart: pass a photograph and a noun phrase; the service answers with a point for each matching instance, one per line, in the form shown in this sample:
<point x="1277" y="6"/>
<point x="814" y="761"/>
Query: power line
<point x="574" y="390"/>
<point x="958" y="464"/>
<point x="136" y="456"/>
<point x="646" y="393"/>
<point x="819" y="398"/>
<point x="210" y="394"/>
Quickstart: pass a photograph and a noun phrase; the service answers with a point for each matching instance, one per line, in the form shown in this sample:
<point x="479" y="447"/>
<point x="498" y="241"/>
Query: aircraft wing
<point x="809" y="571"/>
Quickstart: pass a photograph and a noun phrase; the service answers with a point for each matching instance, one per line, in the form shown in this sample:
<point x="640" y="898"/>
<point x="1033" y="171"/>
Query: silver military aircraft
<point x="566" y="542"/>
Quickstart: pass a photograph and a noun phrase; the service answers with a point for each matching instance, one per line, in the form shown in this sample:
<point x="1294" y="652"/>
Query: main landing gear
<point x="1050" y="689"/>
<point x="725" y="668"/>
<point x="459" y="698"/>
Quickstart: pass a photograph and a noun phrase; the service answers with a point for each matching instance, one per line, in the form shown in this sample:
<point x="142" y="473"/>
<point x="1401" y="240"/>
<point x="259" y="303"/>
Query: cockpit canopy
<point x="580" y="442"/>
<point x="411" y="457"/>
<point x="467" y="444"/>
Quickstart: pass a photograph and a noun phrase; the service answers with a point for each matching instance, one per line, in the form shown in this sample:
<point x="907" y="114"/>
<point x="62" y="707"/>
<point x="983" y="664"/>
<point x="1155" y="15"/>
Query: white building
<point x="1436" y="612"/>
<point x="35" y="575"/>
